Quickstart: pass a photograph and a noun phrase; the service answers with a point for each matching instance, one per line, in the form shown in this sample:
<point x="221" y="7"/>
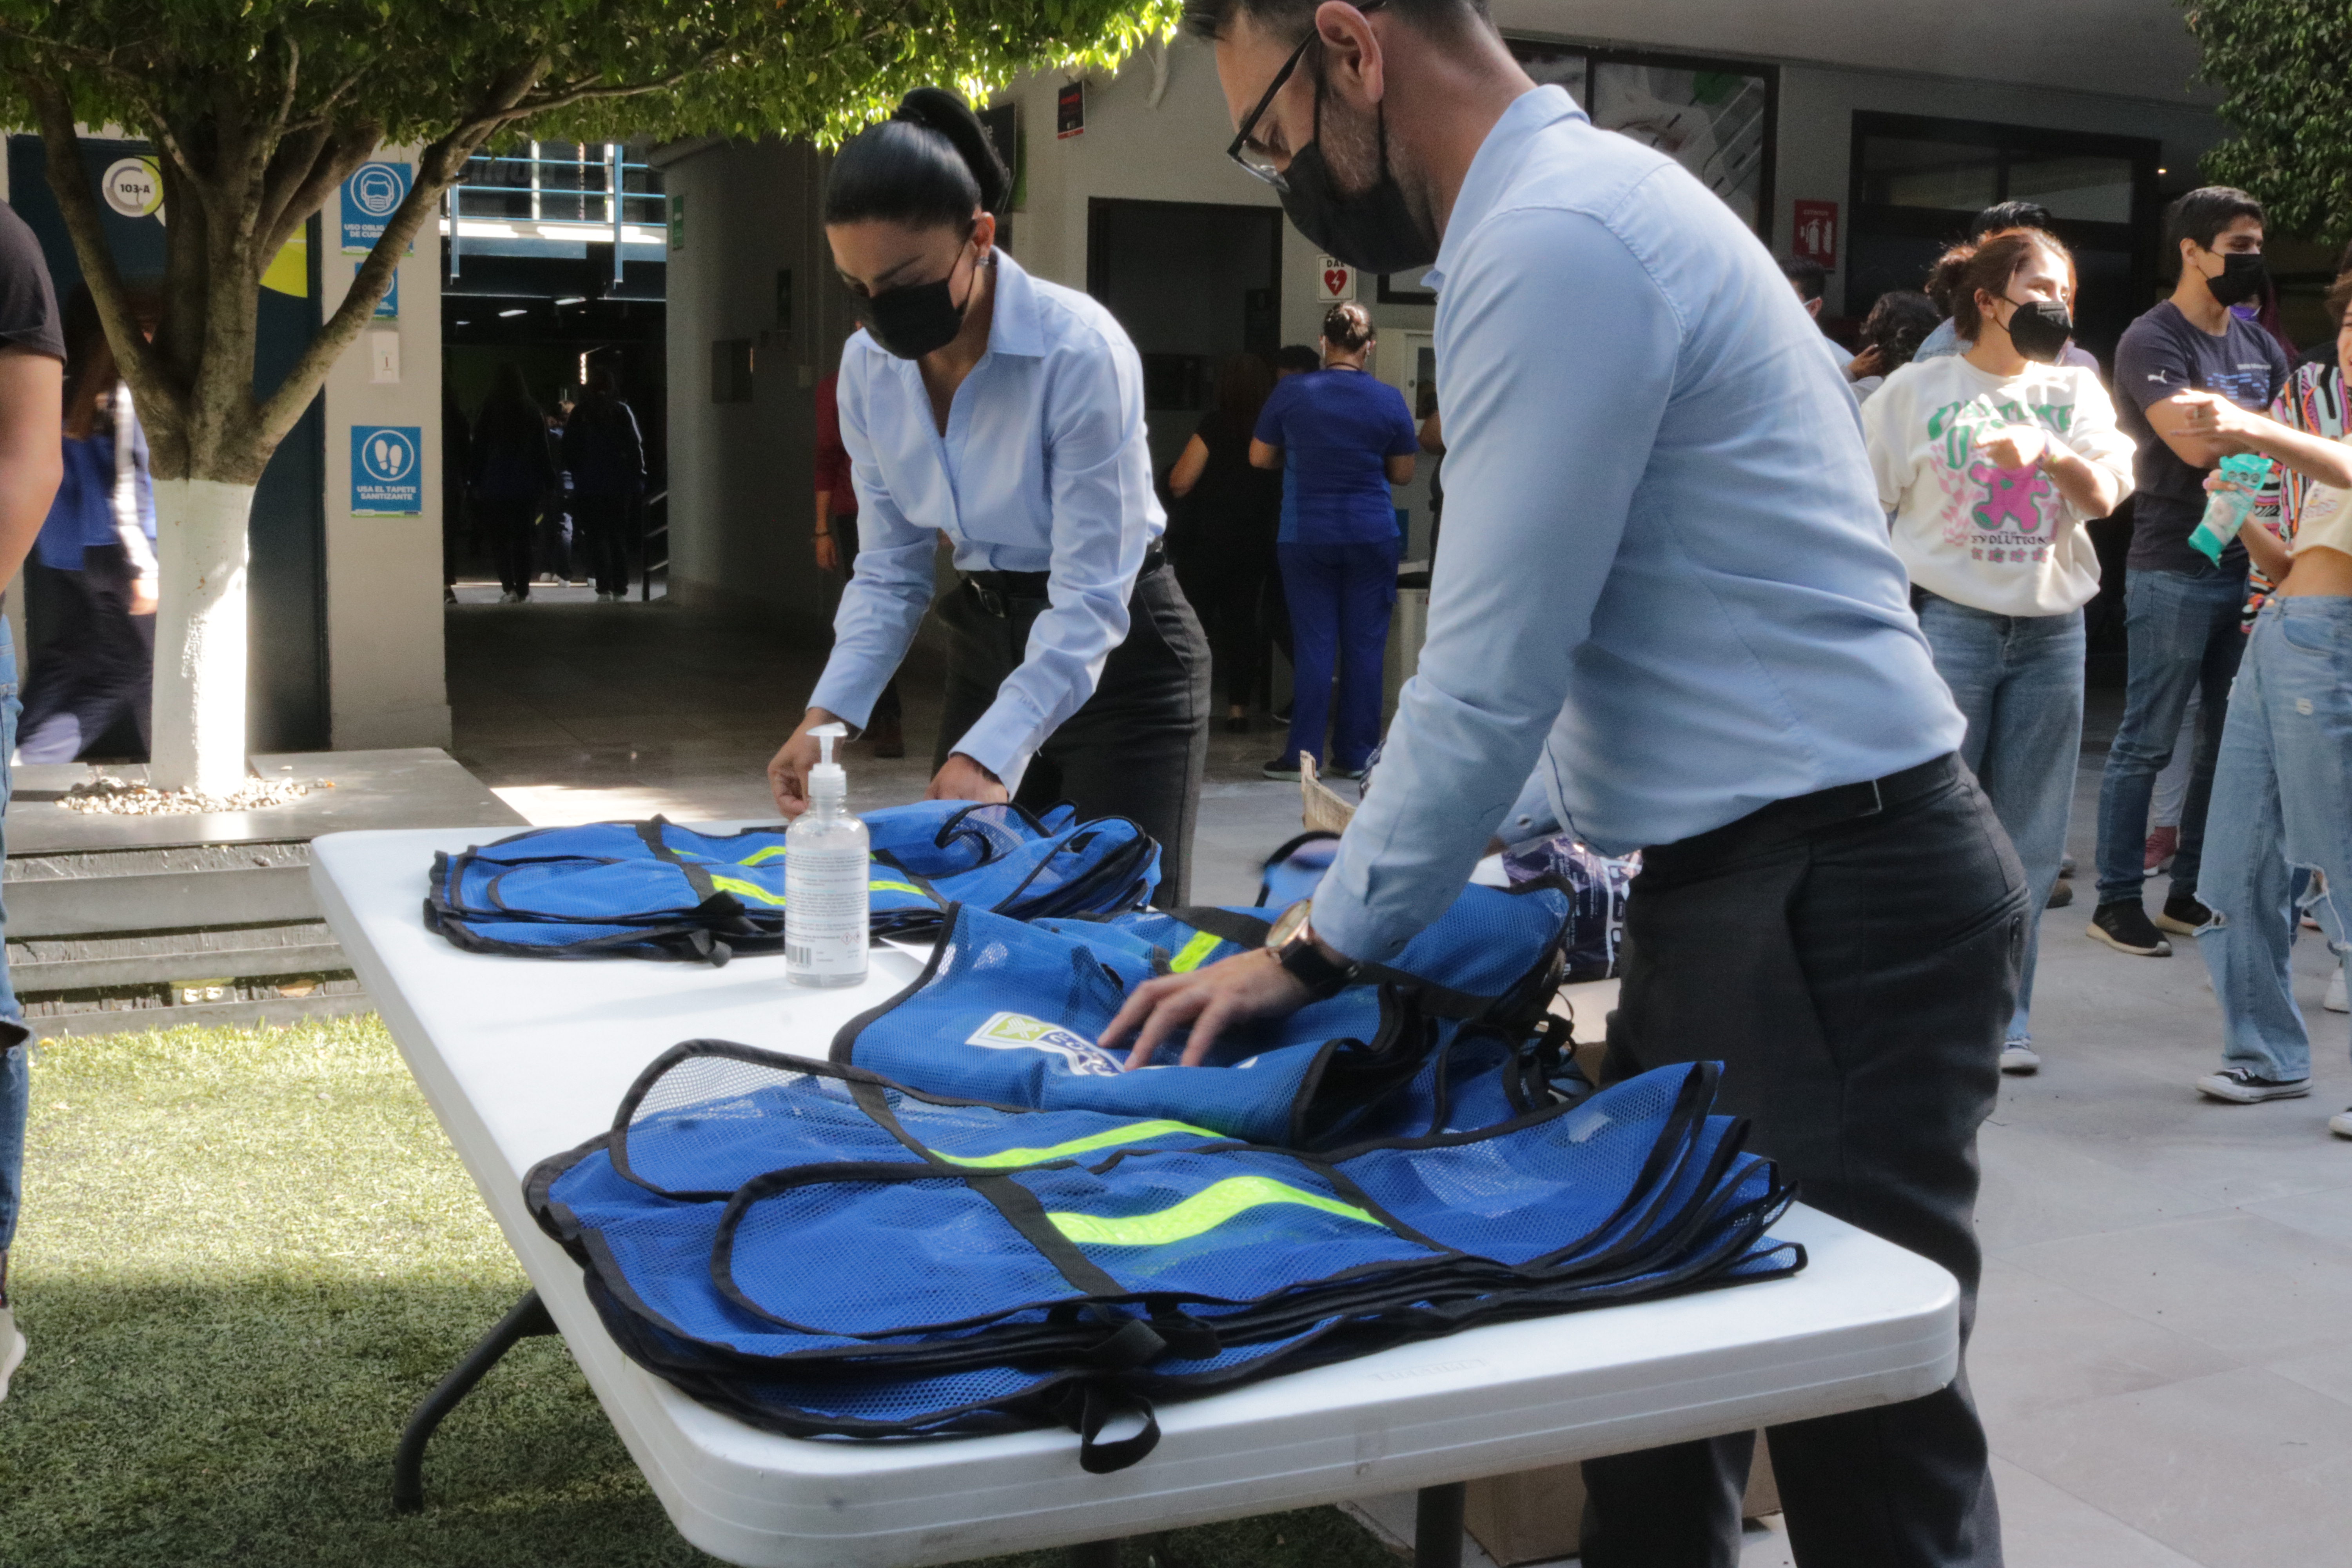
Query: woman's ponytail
<point x="930" y="164"/>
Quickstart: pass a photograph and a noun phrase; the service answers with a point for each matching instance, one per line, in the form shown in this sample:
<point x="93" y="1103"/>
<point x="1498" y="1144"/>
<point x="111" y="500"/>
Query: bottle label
<point x="825" y="910"/>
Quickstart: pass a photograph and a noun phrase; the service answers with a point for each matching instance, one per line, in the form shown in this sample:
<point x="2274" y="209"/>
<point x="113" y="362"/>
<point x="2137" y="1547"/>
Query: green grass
<point x="244" y="1257"/>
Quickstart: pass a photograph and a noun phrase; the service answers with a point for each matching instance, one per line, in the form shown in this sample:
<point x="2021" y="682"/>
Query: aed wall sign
<point x="371" y="197"/>
<point x="387" y="470"/>
<point x="1336" y="283"/>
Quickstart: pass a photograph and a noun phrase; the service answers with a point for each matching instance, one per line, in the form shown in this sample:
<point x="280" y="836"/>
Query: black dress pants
<point x="1852" y="958"/>
<point x="1225" y="581"/>
<point x="1138" y="746"/>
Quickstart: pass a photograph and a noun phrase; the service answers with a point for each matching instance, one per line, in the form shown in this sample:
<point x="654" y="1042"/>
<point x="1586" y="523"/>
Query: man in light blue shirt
<point x="1667" y="618"/>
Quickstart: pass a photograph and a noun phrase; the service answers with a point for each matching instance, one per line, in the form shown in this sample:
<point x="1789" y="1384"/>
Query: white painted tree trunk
<point x="200" y="670"/>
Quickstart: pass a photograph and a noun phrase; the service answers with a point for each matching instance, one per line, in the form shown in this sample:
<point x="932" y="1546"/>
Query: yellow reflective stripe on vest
<point x="1203" y="1211"/>
<point x="753" y="891"/>
<point x="1136" y="1133"/>
<point x="761" y="857"/>
<point x="1189" y="957"/>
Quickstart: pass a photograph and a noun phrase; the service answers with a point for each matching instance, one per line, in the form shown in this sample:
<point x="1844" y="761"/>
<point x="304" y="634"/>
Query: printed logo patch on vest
<point x="1020" y="1032"/>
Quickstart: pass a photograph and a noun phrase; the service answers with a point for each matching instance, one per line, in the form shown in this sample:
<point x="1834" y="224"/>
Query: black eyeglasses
<point x="1248" y="155"/>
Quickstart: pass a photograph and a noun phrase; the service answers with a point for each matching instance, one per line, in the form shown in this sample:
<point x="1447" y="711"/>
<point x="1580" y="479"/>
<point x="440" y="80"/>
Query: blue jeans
<point x="2182" y="632"/>
<point x="1339" y="596"/>
<point x="2282" y="808"/>
<point x="2018" y="680"/>
<point x="15" y="1087"/>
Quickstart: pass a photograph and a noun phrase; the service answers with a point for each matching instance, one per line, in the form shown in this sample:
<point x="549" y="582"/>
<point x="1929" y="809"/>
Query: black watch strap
<point x="1306" y="965"/>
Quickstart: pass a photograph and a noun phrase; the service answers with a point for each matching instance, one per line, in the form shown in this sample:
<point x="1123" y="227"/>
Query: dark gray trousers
<point x="1853" y="969"/>
<point x="1136" y="748"/>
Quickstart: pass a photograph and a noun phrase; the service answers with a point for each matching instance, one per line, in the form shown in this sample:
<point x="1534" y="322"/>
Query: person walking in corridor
<point x="1006" y="412"/>
<point x="1341" y="436"/>
<point x="511" y="474"/>
<point x="607" y="457"/>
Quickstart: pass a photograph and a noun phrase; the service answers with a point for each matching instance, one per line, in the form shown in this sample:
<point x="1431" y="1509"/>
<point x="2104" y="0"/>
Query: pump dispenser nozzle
<point x="827" y="783"/>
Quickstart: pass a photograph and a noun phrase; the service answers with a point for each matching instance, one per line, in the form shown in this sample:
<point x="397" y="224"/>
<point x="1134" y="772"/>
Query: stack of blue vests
<point x="654" y="889"/>
<point x="1017" y="1268"/>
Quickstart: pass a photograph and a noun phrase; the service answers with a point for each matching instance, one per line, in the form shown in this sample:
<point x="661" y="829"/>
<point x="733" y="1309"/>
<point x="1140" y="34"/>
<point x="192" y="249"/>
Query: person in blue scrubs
<point x="1006" y="412"/>
<point x="1667" y="617"/>
<point x="1341" y="436"/>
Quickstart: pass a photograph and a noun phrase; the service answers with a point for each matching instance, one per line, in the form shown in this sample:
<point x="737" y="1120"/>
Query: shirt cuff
<point x="1002" y="742"/>
<point x="848" y="695"/>
<point x="1361" y="932"/>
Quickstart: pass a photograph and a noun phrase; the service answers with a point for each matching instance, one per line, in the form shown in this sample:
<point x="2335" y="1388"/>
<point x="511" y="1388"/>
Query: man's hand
<point x="2013" y="446"/>
<point x="1245" y="986"/>
<point x="829" y="553"/>
<point x="788" y="770"/>
<point x="963" y="778"/>
<point x="2208" y="416"/>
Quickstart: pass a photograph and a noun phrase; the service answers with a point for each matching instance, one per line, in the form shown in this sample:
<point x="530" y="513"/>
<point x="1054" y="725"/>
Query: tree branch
<point x="69" y="181"/>
<point x="285" y="100"/>
<point x="330" y="160"/>
<point x="589" y="91"/>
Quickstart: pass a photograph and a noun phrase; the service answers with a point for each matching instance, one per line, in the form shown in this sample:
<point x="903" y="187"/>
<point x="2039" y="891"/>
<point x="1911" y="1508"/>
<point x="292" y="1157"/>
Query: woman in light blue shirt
<point x="1006" y="412"/>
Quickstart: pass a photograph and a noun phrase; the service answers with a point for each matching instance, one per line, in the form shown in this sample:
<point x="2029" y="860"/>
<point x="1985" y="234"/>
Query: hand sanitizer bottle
<point x="825" y="871"/>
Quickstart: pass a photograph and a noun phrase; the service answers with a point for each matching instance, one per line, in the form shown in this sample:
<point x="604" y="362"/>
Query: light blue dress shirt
<point x="1043" y="467"/>
<point x="1666" y="596"/>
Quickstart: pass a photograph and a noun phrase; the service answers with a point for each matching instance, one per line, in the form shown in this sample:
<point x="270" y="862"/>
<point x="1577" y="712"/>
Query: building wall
<point x="1815" y="147"/>
<point x="740" y="490"/>
<point x="387" y="683"/>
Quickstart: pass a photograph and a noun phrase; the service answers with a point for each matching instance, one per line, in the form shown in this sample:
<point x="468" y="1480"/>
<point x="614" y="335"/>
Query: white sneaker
<point x="509" y="596"/>
<point x="2018" y="1056"/>
<point x="2336" y="1001"/>
<point x="2341" y="1123"/>
<point x="12" y="1343"/>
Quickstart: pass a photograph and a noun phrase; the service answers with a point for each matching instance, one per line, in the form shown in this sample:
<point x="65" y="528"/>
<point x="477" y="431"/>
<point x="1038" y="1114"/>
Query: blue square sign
<point x="387" y="470"/>
<point x="371" y="197"/>
<point x="388" y="308"/>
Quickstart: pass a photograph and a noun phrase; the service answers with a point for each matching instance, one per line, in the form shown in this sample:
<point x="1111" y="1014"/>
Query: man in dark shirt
<point x="2181" y="610"/>
<point x="32" y="459"/>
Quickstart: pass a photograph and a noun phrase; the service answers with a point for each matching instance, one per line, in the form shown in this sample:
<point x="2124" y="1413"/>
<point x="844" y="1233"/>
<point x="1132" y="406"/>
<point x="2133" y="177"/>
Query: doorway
<point x="1192" y="282"/>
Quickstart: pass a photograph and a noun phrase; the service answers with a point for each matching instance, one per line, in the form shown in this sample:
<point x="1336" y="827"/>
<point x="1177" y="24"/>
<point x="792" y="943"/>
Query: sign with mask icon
<point x="1335" y="281"/>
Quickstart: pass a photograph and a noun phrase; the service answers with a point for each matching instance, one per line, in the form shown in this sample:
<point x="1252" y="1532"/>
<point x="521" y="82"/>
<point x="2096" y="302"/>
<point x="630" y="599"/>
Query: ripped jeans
<point x="2282" y="807"/>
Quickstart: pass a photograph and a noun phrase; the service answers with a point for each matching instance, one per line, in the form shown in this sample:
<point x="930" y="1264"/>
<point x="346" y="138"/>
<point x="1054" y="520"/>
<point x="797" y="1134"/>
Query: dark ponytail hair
<point x="929" y="165"/>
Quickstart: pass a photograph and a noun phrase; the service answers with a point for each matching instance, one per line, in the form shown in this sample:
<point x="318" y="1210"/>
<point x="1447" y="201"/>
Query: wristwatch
<point x="1291" y="941"/>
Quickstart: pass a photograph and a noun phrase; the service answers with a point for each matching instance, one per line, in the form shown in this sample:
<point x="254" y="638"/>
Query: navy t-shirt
<point x="2161" y="354"/>
<point x="1337" y="430"/>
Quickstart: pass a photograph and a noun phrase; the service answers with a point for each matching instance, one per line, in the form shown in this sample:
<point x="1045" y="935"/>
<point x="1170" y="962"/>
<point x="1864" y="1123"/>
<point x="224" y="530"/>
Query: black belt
<point x="1804" y="814"/>
<point x="998" y="591"/>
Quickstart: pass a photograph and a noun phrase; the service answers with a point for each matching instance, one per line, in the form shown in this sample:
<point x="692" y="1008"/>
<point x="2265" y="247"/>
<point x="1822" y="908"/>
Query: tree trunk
<point x="200" y="635"/>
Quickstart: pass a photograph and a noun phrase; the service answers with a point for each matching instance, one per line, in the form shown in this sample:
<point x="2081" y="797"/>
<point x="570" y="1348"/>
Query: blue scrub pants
<point x="15" y="1086"/>
<point x="1339" y="596"/>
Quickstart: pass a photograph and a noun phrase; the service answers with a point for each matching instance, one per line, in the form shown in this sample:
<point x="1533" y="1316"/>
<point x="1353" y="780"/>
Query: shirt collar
<point x="1016" y="328"/>
<point x="1491" y="168"/>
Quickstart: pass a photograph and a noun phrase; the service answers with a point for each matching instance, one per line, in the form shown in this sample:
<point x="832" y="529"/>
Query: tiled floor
<point x="2164" y="1352"/>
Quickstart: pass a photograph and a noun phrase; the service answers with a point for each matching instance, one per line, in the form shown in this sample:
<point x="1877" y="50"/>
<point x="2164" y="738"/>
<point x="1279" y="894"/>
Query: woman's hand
<point x="963" y="778"/>
<point x="2214" y="419"/>
<point x="829" y="553"/>
<point x="1212" y="1000"/>
<point x="2013" y="446"/>
<point x="788" y="770"/>
<point x="1870" y="362"/>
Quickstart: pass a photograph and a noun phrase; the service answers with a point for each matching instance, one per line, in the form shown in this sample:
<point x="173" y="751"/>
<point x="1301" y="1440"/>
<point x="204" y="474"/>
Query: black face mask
<point x="1371" y="230"/>
<point x="914" y="318"/>
<point x="2241" y="278"/>
<point x="2039" y="329"/>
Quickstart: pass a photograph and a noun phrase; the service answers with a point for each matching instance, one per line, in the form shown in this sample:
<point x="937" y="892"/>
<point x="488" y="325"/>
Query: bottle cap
<point x="826" y="781"/>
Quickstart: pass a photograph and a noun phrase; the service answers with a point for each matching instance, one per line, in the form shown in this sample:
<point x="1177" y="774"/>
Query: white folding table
<point x="523" y="1058"/>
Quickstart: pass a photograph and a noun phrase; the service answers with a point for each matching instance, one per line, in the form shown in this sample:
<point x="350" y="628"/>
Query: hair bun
<point x="937" y="109"/>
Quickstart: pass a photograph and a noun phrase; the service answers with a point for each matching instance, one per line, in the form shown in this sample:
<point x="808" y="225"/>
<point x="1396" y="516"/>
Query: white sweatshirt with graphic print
<point x="2000" y="539"/>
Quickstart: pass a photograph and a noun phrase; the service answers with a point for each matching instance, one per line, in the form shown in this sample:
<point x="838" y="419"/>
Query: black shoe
<point x="2061" y="895"/>
<point x="1284" y="767"/>
<point x="1337" y="771"/>
<point x="2124" y="926"/>
<point x="2185" y="914"/>
<point x="2245" y="1086"/>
